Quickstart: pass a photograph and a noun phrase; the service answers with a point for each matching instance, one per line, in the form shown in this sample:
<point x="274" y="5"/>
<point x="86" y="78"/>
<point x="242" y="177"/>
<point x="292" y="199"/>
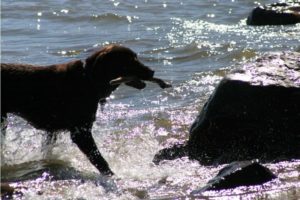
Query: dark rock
<point x="254" y="113"/>
<point x="6" y="189"/>
<point x="171" y="153"/>
<point x="275" y="14"/>
<point x="9" y="192"/>
<point x="236" y="174"/>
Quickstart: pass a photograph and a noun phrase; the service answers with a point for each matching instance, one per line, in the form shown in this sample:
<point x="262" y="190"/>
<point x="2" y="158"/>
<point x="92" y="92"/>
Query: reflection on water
<point x="191" y="44"/>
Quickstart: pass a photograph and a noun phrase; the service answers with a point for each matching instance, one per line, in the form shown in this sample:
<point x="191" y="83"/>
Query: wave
<point x="71" y="17"/>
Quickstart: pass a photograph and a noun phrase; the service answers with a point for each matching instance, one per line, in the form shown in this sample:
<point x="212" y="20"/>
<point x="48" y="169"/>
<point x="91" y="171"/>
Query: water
<point x="191" y="44"/>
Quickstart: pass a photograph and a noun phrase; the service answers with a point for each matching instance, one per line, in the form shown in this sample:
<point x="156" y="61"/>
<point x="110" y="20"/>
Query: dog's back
<point x="18" y="86"/>
<point x="21" y="83"/>
<point x="44" y="95"/>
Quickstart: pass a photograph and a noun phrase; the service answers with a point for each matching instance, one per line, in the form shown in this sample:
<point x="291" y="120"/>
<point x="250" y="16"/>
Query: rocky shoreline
<point x="254" y="113"/>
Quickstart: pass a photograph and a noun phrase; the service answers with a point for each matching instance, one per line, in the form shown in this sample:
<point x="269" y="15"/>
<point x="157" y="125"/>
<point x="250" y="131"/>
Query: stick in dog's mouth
<point x="160" y="82"/>
<point x="128" y="79"/>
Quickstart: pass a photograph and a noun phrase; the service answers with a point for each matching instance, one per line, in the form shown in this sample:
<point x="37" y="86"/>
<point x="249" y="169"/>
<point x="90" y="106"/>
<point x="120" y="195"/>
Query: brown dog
<point x="66" y="96"/>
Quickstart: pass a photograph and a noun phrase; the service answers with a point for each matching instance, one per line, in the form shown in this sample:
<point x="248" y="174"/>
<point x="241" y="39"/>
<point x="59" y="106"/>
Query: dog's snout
<point x="144" y="72"/>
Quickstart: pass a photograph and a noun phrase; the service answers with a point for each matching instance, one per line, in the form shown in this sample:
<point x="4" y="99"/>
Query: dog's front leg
<point x="84" y="140"/>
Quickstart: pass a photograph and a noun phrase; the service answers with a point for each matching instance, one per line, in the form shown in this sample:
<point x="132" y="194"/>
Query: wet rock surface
<point x="9" y="192"/>
<point x="236" y="174"/>
<point x="254" y="113"/>
<point x="171" y="153"/>
<point x="275" y="14"/>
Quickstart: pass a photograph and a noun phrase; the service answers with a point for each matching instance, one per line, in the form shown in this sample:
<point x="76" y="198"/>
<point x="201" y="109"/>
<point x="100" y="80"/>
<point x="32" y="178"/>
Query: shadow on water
<point x="59" y="170"/>
<point x="52" y="170"/>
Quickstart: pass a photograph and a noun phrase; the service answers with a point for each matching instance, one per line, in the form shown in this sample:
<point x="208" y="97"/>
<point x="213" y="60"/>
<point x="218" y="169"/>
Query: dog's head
<point x="114" y="65"/>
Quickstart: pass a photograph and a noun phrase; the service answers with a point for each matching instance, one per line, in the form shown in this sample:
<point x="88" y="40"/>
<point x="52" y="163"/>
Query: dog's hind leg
<point x="51" y="137"/>
<point x="85" y="142"/>
<point x="3" y="133"/>
<point x="48" y="143"/>
<point x="3" y="128"/>
<point x="3" y="124"/>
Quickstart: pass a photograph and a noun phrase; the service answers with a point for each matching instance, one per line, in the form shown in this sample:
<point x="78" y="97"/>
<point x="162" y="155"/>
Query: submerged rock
<point x="171" y="153"/>
<point x="6" y="189"/>
<point x="9" y="192"/>
<point x="236" y="174"/>
<point x="254" y="113"/>
<point x="275" y="14"/>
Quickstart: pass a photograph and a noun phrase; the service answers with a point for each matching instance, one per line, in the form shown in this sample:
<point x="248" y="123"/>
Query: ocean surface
<point x="191" y="44"/>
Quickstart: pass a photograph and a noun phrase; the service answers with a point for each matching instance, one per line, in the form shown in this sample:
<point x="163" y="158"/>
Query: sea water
<point x="191" y="44"/>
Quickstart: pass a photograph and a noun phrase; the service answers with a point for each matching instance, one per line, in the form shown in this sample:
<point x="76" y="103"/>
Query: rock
<point x="275" y="14"/>
<point x="171" y="153"/>
<point x="9" y="192"/>
<point x="6" y="189"/>
<point x="254" y="113"/>
<point x="236" y="174"/>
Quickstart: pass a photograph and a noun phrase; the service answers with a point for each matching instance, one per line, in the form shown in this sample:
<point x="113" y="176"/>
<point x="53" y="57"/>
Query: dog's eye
<point x="135" y="58"/>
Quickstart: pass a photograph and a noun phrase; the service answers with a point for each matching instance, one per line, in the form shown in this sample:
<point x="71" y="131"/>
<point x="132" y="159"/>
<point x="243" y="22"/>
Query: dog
<point x="66" y="96"/>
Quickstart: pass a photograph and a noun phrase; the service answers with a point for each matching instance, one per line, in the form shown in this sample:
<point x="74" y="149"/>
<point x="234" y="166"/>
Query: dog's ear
<point x="72" y="69"/>
<point x="94" y="59"/>
<point x="98" y="56"/>
<point x="77" y="64"/>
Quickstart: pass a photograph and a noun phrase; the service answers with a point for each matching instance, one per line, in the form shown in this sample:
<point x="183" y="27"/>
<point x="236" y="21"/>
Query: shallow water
<point x="191" y="44"/>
